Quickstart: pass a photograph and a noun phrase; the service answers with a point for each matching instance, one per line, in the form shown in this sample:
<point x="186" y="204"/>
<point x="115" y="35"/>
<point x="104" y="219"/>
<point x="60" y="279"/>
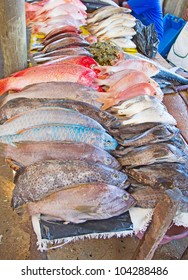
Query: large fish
<point x="20" y="105"/>
<point x="164" y="73"/>
<point x="153" y="153"/>
<point x="152" y="114"/>
<point x="84" y="202"/>
<point x="57" y="90"/>
<point x="44" y="177"/>
<point x="27" y="153"/>
<point x="61" y="132"/>
<point x="47" y="73"/>
<point x="48" y="115"/>
<point x="64" y="43"/>
<point x="147" y="67"/>
<point x="161" y="175"/>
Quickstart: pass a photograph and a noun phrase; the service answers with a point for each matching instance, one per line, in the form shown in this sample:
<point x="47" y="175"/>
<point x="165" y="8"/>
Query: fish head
<point x="129" y="199"/>
<point x="118" y="178"/>
<point x="110" y="143"/>
<point x="111" y="161"/>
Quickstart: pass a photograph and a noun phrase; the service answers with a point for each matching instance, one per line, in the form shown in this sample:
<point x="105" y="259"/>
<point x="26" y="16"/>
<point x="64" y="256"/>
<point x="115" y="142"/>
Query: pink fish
<point x="61" y="29"/>
<point x="85" y="61"/>
<point x="130" y="92"/>
<point x="48" y="73"/>
<point x="137" y="64"/>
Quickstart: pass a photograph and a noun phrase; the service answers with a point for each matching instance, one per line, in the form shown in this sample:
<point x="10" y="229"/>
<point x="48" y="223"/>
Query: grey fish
<point x="160" y="133"/>
<point x="47" y="115"/>
<point x="63" y="51"/>
<point x="27" y="153"/>
<point x="153" y="153"/>
<point x="161" y="175"/>
<point x="64" y="43"/>
<point x="84" y="202"/>
<point x="45" y="42"/>
<point x="57" y="90"/>
<point x="20" y="105"/>
<point x="45" y="177"/>
<point x="61" y="132"/>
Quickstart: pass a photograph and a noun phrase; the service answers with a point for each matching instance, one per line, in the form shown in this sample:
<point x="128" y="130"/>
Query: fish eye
<point x="115" y="176"/>
<point x="125" y="197"/>
<point x="107" y="160"/>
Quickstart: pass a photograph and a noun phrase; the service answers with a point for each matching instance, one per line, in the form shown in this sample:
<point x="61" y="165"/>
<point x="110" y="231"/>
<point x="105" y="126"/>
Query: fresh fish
<point x="123" y="43"/>
<point x="137" y="104"/>
<point x="48" y="115"/>
<point x="152" y="114"/>
<point x="129" y="93"/>
<point x="45" y="177"/>
<point x="27" y="153"/>
<point x="47" y="73"/>
<point x="164" y="73"/>
<point x="147" y="67"/>
<point x="60" y="30"/>
<point x="161" y="175"/>
<point x="21" y="105"/>
<point x="84" y="202"/>
<point x="159" y="133"/>
<point x="117" y="32"/>
<point x="105" y="12"/>
<point x="70" y="133"/>
<point x="153" y="153"/>
<point x="59" y="36"/>
<point x="57" y="90"/>
<point x="93" y="5"/>
<point x="64" y="43"/>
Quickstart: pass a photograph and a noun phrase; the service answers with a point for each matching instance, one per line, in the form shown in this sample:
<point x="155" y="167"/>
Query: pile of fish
<point x="115" y="24"/>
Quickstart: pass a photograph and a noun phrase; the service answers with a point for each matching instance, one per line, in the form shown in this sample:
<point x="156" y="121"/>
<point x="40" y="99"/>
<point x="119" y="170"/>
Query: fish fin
<point x="14" y="164"/>
<point x="107" y="102"/>
<point x="4" y="85"/>
<point x="11" y="119"/>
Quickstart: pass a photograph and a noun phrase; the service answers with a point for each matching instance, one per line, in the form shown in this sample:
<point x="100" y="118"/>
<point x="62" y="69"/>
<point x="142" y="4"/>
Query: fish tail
<point x="107" y="102"/>
<point x="4" y="85"/>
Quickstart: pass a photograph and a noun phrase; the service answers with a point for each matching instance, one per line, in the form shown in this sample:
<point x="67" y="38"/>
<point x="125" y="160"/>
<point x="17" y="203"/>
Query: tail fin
<point x="4" y="85"/>
<point x="107" y="102"/>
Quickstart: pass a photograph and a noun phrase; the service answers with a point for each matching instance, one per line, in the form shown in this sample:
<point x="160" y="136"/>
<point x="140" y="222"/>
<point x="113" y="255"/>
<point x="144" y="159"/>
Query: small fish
<point x="152" y="114"/>
<point x="84" y="202"/>
<point x="60" y="30"/>
<point x="156" y="134"/>
<point x="117" y="32"/>
<point x="64" y="43"/>
<point x="161" y="175"/>
<point x="153" y="153"/>
<point x="26" y="153"/>
<point x="21" y="105"/>
<point x="70" y="133"/>
<point x="45" y="177"/>
<point x="47" y="73"/>
<point x="56" y="90"/>
<point x="59" y="36"/>
<point x="48" y="115"/>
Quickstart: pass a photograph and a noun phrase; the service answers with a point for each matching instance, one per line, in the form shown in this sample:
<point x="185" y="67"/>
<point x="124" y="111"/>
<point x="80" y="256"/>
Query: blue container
<point x="172" y="27"/>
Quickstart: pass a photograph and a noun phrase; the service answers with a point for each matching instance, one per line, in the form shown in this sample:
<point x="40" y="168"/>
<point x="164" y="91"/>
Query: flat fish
<point x="48" y="115"/>
<point x="161" y="175"/>
<point x="20" y="105"/>
<point x="58" y="132"/>
<point x="27" y="153"/>
<point x="45" y="177"/>
<point x="84" y="202"/>
<point x="57" y="90"/>
<point x="153" y="153"/>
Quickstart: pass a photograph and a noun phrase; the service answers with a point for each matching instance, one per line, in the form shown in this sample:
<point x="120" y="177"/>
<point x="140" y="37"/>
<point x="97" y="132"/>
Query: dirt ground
<point x="18" y="241"/>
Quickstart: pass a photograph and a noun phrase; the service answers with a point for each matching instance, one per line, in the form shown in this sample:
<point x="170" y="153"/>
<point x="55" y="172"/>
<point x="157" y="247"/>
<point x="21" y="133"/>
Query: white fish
<point x="123" y="43"/>
<point x="114" y="24"/>
<point x="151" y="115"/>
<point x="118" y="32"/>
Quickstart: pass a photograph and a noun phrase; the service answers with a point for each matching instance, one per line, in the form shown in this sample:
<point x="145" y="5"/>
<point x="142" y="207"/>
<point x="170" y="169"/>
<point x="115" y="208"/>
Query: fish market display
<point x="31" y="181"/>
<point x="63" y="132"/>
<point x="27" y="153"/>
<point x="84" y="202"/>
<point x="40" y="116"/>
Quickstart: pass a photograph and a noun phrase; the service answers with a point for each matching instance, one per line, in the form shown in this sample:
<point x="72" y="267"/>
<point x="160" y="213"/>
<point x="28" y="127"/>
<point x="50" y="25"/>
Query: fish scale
<point x="73" y="133"/>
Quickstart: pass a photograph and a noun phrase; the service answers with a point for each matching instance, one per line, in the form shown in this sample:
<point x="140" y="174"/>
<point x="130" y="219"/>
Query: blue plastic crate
<point x="172" y="27"/>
